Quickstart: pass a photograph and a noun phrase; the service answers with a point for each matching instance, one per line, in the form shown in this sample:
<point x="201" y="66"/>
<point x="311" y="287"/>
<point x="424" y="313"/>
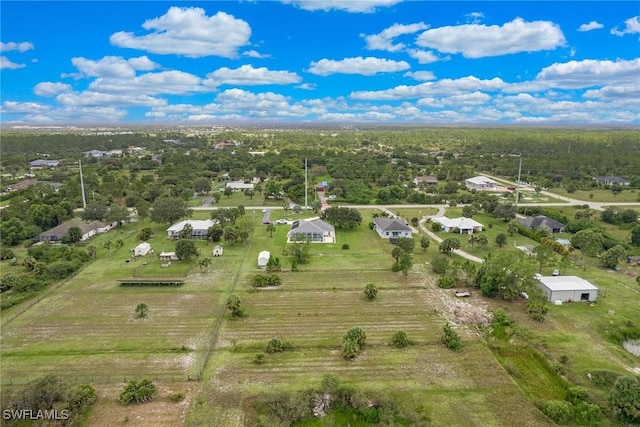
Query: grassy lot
<point x="87" y="330"/>
<point x="601" y="195"/>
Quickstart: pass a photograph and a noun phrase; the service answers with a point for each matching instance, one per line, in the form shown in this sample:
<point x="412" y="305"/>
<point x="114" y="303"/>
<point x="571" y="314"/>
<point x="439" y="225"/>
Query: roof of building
<point x="540" y="221"/>
<point x="391" y="224"/>
<point x="196" y="224"/>
<point x="316" y="226"/>
<point x="461" y="222"/>
<point x="481" y="180"/>
<point x="63" y="229"/>
<point x="617" y="179"/>
<point x="428" y="178"/>
<point x="240" y="185"/>
<point x="566" y="283"/>
<point x="143" y="245"/>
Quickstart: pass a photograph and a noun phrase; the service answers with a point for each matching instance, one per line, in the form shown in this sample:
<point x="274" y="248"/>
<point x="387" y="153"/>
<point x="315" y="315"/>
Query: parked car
<point x="281" y="221"/>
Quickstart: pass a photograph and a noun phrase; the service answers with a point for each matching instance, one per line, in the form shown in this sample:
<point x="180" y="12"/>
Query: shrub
<point x="176" y="397"/>
<point x="259" y="358"/>
<point x="624" y="399"/>
<point x="536" y="310"/>
<point x="446" y="282"/>
<point x="350" y="349"/>
<point x="371" y="291"/>
<point x="274" y="346"/>
<point x="137" y="392"/>
<point x="558" y="410"/>
<point x="400" y="339"/>
<point x="345" y="246"/>
<point x="440" y="264"/>
<point x="450" y="338"/>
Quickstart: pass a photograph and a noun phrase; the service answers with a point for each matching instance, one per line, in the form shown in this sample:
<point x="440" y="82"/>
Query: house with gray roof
<point x="542" y="221"/>
<point x="610" y="180"/>
<point x="57" y="233"/>
<point x="392" y="228"/>
<point x="316" y="231"/>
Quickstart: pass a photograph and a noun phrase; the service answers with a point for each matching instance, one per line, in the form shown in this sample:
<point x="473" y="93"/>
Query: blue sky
<point x="324" y="61"/>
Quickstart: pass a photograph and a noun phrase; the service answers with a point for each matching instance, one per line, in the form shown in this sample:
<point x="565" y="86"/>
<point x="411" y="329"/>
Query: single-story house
<point x="40" y="163"/>
<point x="610" y="180"/>
<point x="25" y="183"/>
<point x="88" y="229"/>
<point x="425" y="180"/>
<point x="462" y="225"/>
<point x="217" y="250"/>
<point x="316" y="231"/>
<point x="567" y="288"/>
<point x="142" y="249"/>
<point x="263" y="259"/>
<point x="95" y="153"/>
<point x="391" y="228"/>
<point x="199" y="228"/>
<point x="481" y="183"/>
<point x="542" y="221"/>
<point x="240" y="186"/>
<point x="168" y="256"/>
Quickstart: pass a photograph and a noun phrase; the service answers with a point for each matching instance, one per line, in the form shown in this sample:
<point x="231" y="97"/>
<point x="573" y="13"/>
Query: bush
<point x="450" y="338"/>
<point x="536" y="310"/>
<point x="558" y="410"/>
<point x="259" y="358"/>
<point x="371" y="291"/>
<point x="345" y="246"/>
<point x="446" y="282"/>
<point x="440" y="264"/>
<point x="624" y="399"/>
<point x="400" y="339"/>
<point x="274" y="346"/>
<point x="176" y="397"/>
<point x="137" y="392"/>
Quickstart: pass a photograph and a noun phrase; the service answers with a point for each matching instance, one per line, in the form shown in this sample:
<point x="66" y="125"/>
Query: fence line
<point x="94" y="379"/>
<point x="216" y="329"/>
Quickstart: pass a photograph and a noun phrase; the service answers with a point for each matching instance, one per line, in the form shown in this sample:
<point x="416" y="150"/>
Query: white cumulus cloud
<point x="590" y="72"/>
<point x="247" y="75"/>
<point x="384" y="40"/>
<point x="421" y="75"/>
<point x="479" y="41"/>
<point x="23" y="107"/>
<point x="363" y="66"/>
<point x="6" y="64"/>
<point x="166" y="82"/>
<point x="352" y="6"/>
<point x="112" y="66"/>
<point x="593" y="25"/>
<point x="189" y="32"/>
<point x="20" y="47"/>
<point x="426" y="56"/>
<point x="444" y="87"/>
<point x="631" y="26"/>
<point x="89" y="98"/>
<point x="51" y="88"/>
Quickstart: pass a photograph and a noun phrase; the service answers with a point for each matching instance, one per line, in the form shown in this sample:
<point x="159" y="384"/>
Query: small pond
<point x="632" y="346"/>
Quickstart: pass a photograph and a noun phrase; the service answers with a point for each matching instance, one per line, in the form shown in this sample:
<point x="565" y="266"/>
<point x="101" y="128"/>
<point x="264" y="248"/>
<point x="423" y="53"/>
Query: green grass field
<point x="86" y="329"/>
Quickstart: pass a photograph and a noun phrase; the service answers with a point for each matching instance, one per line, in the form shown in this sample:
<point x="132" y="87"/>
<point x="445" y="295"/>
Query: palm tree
<point x="270" y="229"/>
<point x="142" y="309"/>
<point x="233" y="304"/>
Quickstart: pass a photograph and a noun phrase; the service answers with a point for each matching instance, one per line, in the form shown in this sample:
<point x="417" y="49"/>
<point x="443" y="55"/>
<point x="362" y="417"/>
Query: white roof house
<point x="462" y="224"/>
<point x="168" y="256"/>
<point x="142" y="249"/>
<point x="567" y="288"/>
<point x="199" y="228"/>
<point x="481" y="182"/>
<point x="240" y="186"/>
<point x="391" y="228"/>
<point x="263" y="259"/>
<point x="217" y="250"/>
<point x="316" y="231"/>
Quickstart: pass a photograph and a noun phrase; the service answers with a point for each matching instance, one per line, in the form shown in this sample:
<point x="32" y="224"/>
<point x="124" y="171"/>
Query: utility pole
<point x="84" y="197"/>
<point x="306" y="204"/>
<point x="518" y="182"/>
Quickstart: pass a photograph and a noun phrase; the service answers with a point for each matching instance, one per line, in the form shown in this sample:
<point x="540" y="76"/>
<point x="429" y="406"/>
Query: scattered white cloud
<point x="480" y="41"/>
<point x="615" y="92"/>
<point x="165" y="82"/>
<point x="593" y="25"/>
<point x="631" y="26"/>
<point x="255" y="54"/>
<point x="306" y="86"/>
<point x="89" y="98"/>
<point x="20" y="47"/>
<point x="587" y="73"/>
<point x="384" y="40"/>
<point x="112" y="66"/>
<point x="6" y="64"/>
<point x="51" y="88"/>
<point x="363" y="66"/>
<point x="474" y="17"/>
<point x="352" y="6"/>
<point x="23" y="107"/>
<point x="426" y="56"/>
<point x="247" y="75"/>
<point x="444" y="87"/>
<point x="189" y="32"/>
<point x="74" y="115"/>
<point x="421" y="75"/>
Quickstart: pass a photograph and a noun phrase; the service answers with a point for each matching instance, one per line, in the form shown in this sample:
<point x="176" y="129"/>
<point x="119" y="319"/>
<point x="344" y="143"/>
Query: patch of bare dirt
<point x="160" y="412"/>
